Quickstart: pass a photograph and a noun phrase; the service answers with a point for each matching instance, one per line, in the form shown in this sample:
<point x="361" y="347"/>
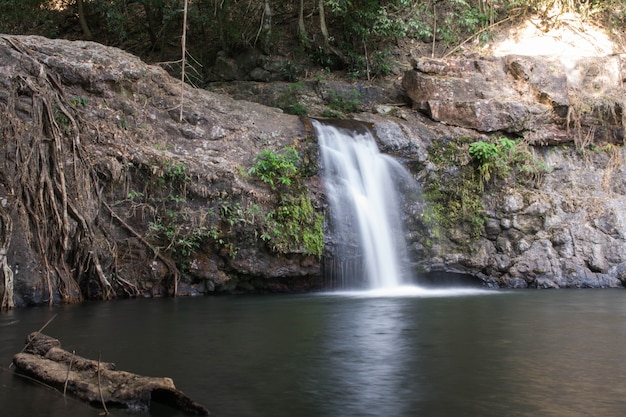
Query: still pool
<point x="417" y="353"/>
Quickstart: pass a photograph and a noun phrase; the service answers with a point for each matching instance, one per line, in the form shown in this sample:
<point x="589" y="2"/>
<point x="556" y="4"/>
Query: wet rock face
<point x="567" y="230"/>
<point x="547" y="247"/>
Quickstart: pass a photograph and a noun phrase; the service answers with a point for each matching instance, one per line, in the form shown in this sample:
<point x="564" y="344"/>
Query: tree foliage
<point x="352" y="35"/>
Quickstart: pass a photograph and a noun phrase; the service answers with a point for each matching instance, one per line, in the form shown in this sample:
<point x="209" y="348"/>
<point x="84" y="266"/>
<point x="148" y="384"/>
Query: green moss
<point x="455" y="204"/>
<point x="293" y="225"/>
<point x="453" y="191"/>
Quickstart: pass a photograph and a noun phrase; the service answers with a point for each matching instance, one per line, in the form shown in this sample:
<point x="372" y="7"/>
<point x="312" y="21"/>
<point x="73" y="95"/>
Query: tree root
<point x="53" y="182"/>
<point x="55" y="202"/>
<point x="168" y="262"/>
<point x="6" y="231"/>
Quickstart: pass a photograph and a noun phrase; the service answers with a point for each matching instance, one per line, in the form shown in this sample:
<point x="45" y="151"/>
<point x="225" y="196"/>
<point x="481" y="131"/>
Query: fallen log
<point x="95" y="382"/>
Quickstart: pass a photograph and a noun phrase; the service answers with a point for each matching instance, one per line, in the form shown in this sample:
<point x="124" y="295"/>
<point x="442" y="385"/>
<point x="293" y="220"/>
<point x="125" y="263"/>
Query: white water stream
<point x="365" y="215"/>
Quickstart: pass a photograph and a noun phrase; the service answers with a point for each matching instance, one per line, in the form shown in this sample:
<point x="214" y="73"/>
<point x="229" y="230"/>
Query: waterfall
<point x="367" y="245"/>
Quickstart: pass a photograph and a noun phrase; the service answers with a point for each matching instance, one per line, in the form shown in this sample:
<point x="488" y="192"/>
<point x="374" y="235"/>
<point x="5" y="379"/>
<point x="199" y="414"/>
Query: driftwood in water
<point x="97" y="382"/>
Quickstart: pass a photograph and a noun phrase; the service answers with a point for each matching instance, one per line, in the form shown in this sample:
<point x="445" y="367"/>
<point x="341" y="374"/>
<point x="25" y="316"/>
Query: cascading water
<point x="368" y="247"/>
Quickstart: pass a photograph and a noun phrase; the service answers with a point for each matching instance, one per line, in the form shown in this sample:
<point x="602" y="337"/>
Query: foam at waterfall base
<point x="415" y="291"/>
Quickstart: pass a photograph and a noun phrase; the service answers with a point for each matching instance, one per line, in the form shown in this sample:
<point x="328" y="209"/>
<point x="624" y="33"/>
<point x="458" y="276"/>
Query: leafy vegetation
<point x="357" y="36"/>
<point x="346" y="102"/>
<point x="294" y="223"/>
<point x="504" y="156"/>
<point x="492" y="159"/>
<point x="289" y="100"/>
<point x="175" y="228"/>
<point x="276" y="168"/>
<point x="453" y="192"/>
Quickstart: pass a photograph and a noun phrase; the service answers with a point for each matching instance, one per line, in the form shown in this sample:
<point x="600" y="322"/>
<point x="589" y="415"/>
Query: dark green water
<point x="518" y="353"/>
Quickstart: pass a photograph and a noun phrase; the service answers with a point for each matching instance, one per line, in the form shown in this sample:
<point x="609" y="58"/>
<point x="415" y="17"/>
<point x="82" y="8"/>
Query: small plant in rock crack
<point x="492" y="158"/>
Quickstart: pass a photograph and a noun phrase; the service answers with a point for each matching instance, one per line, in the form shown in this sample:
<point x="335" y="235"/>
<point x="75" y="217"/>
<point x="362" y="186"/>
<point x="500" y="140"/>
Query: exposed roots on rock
<point x="53" y="183"/>
<point x="167" y="261"/>
<point x="6" y="230"/>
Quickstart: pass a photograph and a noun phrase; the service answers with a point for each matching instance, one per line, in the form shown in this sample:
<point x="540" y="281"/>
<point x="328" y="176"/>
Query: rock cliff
<point x="107" y="192"/>
<point x="557" y="218"/>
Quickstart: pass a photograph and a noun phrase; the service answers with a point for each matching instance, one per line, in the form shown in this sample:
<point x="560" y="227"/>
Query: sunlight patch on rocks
<point x="571" y="36"/>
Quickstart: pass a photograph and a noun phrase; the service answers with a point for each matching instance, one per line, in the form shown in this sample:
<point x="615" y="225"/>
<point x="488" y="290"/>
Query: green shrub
<point x="492" y="159"/>
<point x="273" y="168"/>
<point x="499" y="159"/>
<point x="289" y="102"/>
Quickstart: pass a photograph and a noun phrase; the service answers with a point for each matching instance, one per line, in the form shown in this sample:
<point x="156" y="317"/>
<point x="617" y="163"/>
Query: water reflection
<point x="367" y="349"/>
<point x="514" y="354"/>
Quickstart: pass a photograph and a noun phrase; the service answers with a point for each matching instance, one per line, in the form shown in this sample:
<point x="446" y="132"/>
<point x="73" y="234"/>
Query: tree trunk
<point x="151" y="18"/>
<point x="323" y="26"/>
<point x="267" y="28"/>
<point x="327" y="46"/>
<point x="302" y="34"/>
<point x="97" y="382"/>
<point x="83" y="20"/>
<point x="222" y="13"/>
<point x="183" y="43"/>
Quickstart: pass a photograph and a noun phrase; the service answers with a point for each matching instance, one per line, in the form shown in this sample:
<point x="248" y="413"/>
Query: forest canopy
<point x="351" y="35"/>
